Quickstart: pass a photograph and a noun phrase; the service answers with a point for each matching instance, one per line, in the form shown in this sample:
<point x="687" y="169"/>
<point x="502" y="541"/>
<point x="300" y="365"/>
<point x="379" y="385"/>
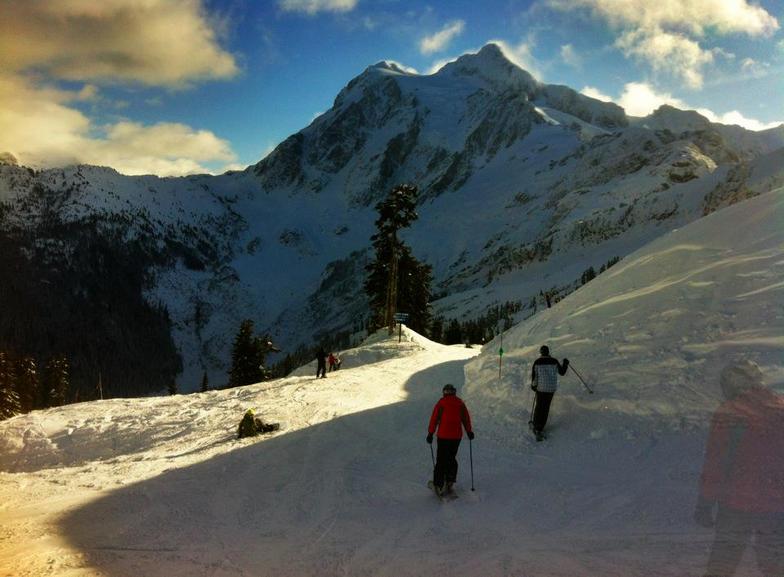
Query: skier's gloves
<point x="703" y="514"/>
<point x="566" y="362"/>
<point x="533" y="387"/>
<point x="470" y="435"/>
<point x="429" y="438"/>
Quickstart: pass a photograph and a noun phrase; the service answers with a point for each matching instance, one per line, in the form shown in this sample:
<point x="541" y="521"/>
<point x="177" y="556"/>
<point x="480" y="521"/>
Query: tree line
<point x="23" y="387"/>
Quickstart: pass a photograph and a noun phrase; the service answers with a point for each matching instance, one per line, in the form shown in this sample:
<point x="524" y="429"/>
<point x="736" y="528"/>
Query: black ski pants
<point x="321" y="370"/>
<point x="542" y="409"/>
<point x="446" y="462"/>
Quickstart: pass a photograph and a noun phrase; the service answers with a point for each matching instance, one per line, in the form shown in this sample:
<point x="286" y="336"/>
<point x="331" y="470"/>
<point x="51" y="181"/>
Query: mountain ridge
<point x="523" y="187"/>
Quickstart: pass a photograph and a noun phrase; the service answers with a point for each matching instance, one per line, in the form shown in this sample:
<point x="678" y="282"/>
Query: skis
<point x="449" y="495"/>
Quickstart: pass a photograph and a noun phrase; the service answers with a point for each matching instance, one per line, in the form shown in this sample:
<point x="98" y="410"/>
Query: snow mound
<point x="652" y="333"/>
<point x="148" y="432"/>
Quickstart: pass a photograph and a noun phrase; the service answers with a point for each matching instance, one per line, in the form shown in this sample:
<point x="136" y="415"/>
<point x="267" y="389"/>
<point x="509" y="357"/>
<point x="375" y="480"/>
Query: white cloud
<point x="673" y="53"/>
<point x="735" y="117"/>
<point x="570" y="56"/>
<point x="441" y="39"/>
<point x="640" y="99"/>
<point x="695" y="16"/>
<point x="38" y="126"/>
<point x="315" y="6"/>
<point x="596" y="93"/>
<point x="667" y="33"/>
<point x="155" y="42"/>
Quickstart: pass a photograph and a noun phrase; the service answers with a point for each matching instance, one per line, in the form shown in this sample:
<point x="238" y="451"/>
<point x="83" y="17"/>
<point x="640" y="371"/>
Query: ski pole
<point x="431" y="454"/>
<point x="581" y="379"/>
<point x="533" y="404"/>
<point x="471" y="458"/>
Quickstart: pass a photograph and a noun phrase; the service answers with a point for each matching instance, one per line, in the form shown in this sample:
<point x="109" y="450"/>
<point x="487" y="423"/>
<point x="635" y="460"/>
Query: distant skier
<point x="544" y="381"/>
<point x="332" y="360"/>
<point x="450" y="416"/>
<point x="321" y="369"/>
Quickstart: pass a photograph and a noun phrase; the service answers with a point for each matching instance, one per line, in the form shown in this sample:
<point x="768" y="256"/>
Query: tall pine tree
<point x="9" y="398"/>
<point x="248" y="356"/>
<point x="205" y="383"/>
<point x="396" y="280"/>
<point x="55" y="385"/>
<point x="27" y="383"/>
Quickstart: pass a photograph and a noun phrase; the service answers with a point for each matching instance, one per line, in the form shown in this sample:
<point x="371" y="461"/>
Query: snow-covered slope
<point x="652" y="334"/>
<point x="524" y="186"/>
<point x="160" y="487"/>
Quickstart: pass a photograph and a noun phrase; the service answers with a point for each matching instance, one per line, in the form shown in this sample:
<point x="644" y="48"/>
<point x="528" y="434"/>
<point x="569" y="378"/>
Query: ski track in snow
<point x="161" y="487"/>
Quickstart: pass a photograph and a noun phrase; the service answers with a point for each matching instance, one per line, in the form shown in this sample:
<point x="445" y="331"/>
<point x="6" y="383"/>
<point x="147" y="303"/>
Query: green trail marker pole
<point x="500" y="356"/>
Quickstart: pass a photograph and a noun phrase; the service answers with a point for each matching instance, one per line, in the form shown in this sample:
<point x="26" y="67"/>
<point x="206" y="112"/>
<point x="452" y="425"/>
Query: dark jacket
<point x="543" y="373"/>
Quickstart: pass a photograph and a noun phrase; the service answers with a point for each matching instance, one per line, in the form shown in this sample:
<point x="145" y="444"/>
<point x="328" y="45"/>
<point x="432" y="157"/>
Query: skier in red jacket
<point x="742" y="483"/>
<point x="450" y="416"/>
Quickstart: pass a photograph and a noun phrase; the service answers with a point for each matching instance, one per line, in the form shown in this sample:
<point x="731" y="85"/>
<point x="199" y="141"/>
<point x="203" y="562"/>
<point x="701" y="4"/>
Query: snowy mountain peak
<point x="676" y="120"/>
<point x="491" y="65"/>
<point x="391" y="66"/>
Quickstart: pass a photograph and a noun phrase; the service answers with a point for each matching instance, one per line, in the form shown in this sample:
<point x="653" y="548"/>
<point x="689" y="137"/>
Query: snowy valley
<point x="162" y="487"/>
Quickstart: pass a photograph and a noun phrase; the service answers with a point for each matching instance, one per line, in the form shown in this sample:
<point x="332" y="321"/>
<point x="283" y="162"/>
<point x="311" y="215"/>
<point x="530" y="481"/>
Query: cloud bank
<point x="156" y="42"/>
<point x="668" y="34"/>
<point x="169" y="44"/>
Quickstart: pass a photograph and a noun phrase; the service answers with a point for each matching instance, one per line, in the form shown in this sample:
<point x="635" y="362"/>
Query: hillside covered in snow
<point x="523" y="187"/>
<point x="161" y="486"/>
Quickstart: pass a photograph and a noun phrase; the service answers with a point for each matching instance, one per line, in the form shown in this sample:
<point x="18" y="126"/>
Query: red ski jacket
<point x="449" y="416"/>
<point x="744" y="460"/>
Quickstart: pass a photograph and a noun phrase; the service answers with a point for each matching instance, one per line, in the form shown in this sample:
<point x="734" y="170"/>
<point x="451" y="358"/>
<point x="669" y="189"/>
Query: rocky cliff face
<point x="523" y="186"/>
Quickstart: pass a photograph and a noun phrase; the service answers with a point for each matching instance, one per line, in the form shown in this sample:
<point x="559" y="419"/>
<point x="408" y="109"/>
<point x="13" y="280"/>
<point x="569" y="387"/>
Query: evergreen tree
<point x="9" y="398"/>
<point x="414" y="292"/>
<point x="588" y="275"/>
<point x="396" y="281"/>
<point x="454" y="333"/>
<point x="205" y="383"/>
<point x="248" y="356"/>
<point x="55" y="386"/>
<point x="437" y="329"/>
<point x="27" y="383"/>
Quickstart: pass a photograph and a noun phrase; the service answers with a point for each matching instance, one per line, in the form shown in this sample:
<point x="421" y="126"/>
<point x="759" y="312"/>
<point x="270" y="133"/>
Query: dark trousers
<point x="736" y="530"/>
<point x="321" y="370"/>
<point x="542" y="410"/>
<point x="446" y="462"/>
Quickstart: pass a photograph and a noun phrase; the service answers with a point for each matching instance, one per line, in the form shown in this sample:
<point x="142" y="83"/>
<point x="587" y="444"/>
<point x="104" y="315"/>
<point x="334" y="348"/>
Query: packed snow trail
<point x="344" y="493"/>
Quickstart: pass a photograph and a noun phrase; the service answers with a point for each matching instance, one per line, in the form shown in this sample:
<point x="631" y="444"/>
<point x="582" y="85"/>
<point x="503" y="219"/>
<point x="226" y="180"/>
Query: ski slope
<point x="161" y="487"/>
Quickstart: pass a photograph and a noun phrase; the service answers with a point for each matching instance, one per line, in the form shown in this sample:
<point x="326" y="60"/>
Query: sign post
<point x="400" y="318"/>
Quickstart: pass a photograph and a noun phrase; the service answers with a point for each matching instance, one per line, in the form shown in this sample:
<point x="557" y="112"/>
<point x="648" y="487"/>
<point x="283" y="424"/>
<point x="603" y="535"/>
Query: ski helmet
<point x="739" y="376"/>
<point x="449" y="389"/>
<point x="544" y="350"/>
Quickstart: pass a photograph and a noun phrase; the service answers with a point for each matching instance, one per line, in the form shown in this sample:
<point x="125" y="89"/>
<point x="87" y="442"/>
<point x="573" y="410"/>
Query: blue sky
<point x="180" y="86"/>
